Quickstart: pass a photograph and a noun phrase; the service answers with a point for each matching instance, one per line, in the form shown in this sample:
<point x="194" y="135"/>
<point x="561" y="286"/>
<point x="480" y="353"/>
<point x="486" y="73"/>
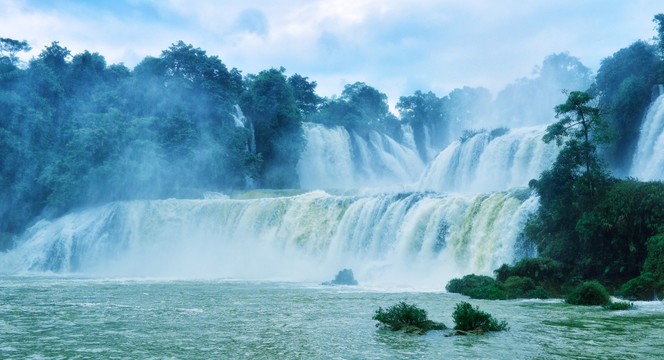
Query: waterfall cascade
<point x="384" y="238"/>
<point x="335" y="158"/>
<point x="422" y="233"/>
<point x="490" y="161"/>
<point x="648" y="161"/>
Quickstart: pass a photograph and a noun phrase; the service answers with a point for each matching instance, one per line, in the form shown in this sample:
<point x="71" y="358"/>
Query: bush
<point x="467" y="318"/>
<point x="406" y="317"/>
<point x="541" y="270"/>
<point x="620" y="305"/>
<point x="588" y="293"/>
<point x="518" y="287"/>
<point x="639" y="288"/>
<point x="477" y="287"/>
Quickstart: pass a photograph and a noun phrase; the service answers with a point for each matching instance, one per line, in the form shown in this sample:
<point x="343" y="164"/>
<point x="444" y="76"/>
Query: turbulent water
<point x="79" y="318"/>
<point x="413" y="239"/>
<point x="648" y="161"/>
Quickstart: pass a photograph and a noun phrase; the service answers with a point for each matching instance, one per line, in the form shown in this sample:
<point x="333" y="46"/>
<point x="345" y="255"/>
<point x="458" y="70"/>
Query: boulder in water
<point x="344" y="277"/>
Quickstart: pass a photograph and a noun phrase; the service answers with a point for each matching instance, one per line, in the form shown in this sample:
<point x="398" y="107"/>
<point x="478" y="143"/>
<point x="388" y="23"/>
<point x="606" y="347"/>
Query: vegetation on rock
<point x="466" y="318"/>
<point x="406" y="317"/>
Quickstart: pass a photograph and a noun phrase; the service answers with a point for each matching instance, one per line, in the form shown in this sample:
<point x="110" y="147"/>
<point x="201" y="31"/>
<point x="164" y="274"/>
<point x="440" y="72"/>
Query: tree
<point x="10" y="47"/>
<point x="623" y="86"/>
<point x="574" y="184"/>
<point x="270" y="105"/>
<point x="305" y="94"/>
<point x="659" y="20"/>
<point x="424" y="112"/>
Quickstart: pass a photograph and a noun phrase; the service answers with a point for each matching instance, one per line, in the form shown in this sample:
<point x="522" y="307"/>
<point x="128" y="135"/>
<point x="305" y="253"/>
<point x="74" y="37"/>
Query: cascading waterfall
<point x="648" y="161"/>
<point x="407" y="238"/>
<point x="490" y="161"/>
<point x="337" y="159"/>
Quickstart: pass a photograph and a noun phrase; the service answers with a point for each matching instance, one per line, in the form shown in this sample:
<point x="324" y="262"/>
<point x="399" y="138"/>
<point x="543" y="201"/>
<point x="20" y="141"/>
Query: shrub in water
<point x="467" y="318"/>
<point x="588" y="293"/>
<point x="406" y="317"/>
<point x="477" y="287"/>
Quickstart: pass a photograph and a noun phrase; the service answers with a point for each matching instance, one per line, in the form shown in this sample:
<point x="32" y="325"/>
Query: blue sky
<point x="396" y="46"/>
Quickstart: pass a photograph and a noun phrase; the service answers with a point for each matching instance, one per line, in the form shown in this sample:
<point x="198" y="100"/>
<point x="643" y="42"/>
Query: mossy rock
<point x="344" y="277"/>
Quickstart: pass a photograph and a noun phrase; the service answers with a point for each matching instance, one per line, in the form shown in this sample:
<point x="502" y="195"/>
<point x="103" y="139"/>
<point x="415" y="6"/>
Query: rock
<point x="344" y="277"/>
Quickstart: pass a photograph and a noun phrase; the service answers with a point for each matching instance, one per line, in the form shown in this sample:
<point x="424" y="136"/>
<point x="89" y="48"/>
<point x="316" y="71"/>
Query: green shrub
<point x="641" y="287"/>
<point x="477" y="287"/>
<point x="588" y="293"/>
<point x="407" y="317"/>
<point x="467" y="318"/>
<point x="655" y="259"/>
<point x="518" y="286"/>
<point x="541" y="270"/>
<point x="620" y="305"/>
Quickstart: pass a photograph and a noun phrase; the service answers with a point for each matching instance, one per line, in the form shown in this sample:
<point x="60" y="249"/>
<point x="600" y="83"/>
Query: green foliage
<point x="654" y="262"/>
<point x="407" y="317"/>
<point x="620" y="305"/>
<point x="641" y="287"/>
<point x="588" y="293"/>
<point x="477" y="287"/>
<point x="270" y="104"/>
<point x="623" y="84"/>
<point x="539" y="269"/>
<point x="360" y="108"/>
<point x="467" y="318"/>
<point x="518" y="287"/>
<point x="425" y="112"/>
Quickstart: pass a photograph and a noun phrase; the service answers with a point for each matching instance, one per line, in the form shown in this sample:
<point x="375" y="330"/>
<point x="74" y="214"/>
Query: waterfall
<point x="648" y="163"/>
<point x="337" y="159"/>
<point x="410" y="236"/>
<point x="490" y="161"/>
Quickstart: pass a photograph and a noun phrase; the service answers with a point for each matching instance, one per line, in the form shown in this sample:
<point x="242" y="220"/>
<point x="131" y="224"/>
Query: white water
<point x="648" y="161"/>
<point x="337" y="159"/>
<point x="484" y="163"/>
<point x="409" y="239"/>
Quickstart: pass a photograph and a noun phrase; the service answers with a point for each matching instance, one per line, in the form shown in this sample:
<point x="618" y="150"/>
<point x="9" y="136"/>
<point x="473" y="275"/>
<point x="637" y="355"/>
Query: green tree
<point x="574" y="184"/>
<point x="424" y="112"/>
<point x="305" y="94"/>
<point x="10" y="47"/>
<point x="270" y="105"/>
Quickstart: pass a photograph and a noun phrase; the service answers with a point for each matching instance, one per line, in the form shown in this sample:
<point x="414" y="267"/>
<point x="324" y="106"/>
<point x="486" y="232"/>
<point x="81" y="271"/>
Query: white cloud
<point x="395" y="46"/>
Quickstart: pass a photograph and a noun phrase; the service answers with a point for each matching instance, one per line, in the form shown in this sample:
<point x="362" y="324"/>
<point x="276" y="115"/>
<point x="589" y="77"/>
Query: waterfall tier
<point x="383" y="238"/>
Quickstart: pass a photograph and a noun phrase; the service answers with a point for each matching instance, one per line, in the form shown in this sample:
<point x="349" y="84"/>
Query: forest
<point x="76" y="132"/>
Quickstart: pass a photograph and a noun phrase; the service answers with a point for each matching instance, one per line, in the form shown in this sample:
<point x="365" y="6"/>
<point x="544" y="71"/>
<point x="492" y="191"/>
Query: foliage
<point x="467" y="318"/>
<point x="539" y="269"/>
<point x="360" y="108"/>
<point x="270" y="104"/>
<point x="620" y="305"/>
<point x="425" y="113"/>
<point x="407" y="317"/>
<point x="623" y="85"/>
<point x="477" y="287"/>
<point x="588" y="293"/>
<point x="641" y="287"/>
<point x="518" y="287"/>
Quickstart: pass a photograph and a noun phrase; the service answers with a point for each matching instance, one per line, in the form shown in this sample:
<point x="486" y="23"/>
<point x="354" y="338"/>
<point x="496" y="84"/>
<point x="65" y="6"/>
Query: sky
<point x="395" y="46"/>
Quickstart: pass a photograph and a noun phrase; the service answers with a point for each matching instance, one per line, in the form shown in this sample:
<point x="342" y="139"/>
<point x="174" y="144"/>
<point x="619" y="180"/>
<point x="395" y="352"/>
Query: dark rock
<point x="344" y="277"/>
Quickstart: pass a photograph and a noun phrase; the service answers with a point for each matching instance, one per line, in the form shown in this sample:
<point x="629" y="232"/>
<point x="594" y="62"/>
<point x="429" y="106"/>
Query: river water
<point x="69" y="317"/>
